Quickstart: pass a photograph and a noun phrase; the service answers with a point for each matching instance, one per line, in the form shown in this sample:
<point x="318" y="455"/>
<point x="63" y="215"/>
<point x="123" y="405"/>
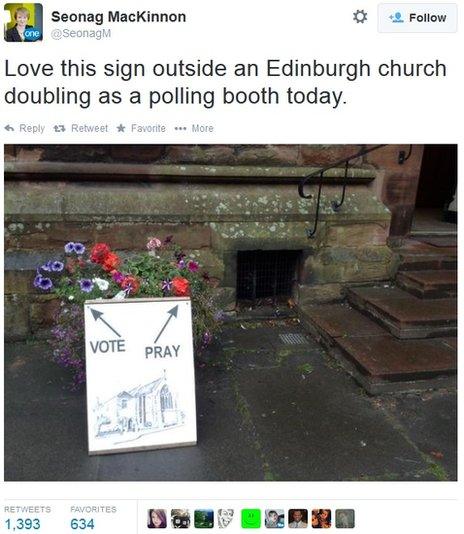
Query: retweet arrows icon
<point x="172" y="313"/>
<point x="99" y="315"/>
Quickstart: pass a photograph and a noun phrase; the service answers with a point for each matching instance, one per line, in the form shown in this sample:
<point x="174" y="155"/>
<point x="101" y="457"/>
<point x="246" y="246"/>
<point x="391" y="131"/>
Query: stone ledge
<point x="50" y="170"/>
<point x="177" y="203"/>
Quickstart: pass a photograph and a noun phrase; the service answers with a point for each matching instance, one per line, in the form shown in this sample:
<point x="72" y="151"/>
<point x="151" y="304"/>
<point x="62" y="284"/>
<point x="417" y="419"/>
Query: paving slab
<point x="431" y="422"/>
<point x="323" y="435"/>
<point x="295" y="416"/>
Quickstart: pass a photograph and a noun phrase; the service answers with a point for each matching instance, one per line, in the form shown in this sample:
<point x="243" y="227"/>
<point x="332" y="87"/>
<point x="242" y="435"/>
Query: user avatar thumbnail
<point x="225" y="516"/>
<point x="156" y="518"/>
<point x="297" y="518"/>
<point x="321" y="518"/>
<point x="274" y="518"/>
<point x="22" y="22"/>
<point x="204" y="518"/>
<point x="344" y="518"/>
<point x="180" y="518"/>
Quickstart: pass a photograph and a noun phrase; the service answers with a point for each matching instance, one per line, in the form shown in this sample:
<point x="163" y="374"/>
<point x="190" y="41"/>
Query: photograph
<point x="204" y="518"/>
<point x="230" y="312"/>
<point x="180" y="518"/>
<point x="321" y="518"/>
<point x="274" y="518"/>
<point x="344" y="518"/>
<point x="297" y="518"/>
<point x="156" y="518"/>
<point x="23" y="22"/>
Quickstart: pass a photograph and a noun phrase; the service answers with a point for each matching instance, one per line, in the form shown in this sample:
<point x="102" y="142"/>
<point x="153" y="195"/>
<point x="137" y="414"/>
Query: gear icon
<point x="360" y="16"/>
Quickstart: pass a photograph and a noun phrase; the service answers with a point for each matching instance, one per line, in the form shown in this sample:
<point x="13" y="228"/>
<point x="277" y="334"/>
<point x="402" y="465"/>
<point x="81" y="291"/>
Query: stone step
<point x="376" y="359"/>
<point x="416" y="262"/>
<point x="403" y="314"/>
<point x="415" y="255"/>
<point x="429" y="284"/>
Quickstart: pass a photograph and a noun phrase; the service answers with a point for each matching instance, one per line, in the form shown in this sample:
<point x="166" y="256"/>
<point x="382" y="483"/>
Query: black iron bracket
<point x="402" y="156"/>
<point x="316" y="178"/>
<point x="337" y="205"/>
<point x="312" y="233"/>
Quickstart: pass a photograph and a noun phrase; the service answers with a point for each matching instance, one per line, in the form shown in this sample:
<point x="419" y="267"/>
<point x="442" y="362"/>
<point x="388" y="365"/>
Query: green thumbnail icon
<point x="251" y="518"/>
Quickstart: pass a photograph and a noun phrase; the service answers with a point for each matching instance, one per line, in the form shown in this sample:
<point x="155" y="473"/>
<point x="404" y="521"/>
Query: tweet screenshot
<point x="230" y="283"/>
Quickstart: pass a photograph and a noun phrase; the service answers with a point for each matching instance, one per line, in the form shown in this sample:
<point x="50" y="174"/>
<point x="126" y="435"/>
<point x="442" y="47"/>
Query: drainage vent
<point x="293" y="339"/>
<point x="266" y="273"/>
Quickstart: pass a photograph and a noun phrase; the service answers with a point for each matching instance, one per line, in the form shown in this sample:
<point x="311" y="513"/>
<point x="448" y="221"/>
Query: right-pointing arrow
<point x="172" y="313"/>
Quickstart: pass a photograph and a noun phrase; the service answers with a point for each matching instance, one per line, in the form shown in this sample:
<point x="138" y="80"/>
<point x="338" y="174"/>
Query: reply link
<point x="66" y="33"/>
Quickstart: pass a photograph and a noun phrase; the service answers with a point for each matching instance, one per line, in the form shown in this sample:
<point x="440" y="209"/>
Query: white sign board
<point x="140" y="374"/>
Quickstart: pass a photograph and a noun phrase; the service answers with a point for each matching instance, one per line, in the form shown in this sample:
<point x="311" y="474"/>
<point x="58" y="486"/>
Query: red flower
<point x="111" y="261"/>
<point x="99" y="252"/>
<point x="180" y="286"/>
<point x="131" y="283"/>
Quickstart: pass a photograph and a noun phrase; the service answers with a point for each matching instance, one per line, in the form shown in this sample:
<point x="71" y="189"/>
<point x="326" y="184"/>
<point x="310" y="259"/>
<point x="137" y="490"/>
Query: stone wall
<point x="396" y="185"/>
<point x="212" y="222"/>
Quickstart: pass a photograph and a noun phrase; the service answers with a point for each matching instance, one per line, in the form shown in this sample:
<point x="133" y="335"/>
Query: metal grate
<point x="293" y="339"/>
<point x="268" y="273"/>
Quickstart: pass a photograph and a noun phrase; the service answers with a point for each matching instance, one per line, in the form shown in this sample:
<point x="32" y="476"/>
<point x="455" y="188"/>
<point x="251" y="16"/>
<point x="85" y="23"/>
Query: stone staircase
<point x="401" y="336"/>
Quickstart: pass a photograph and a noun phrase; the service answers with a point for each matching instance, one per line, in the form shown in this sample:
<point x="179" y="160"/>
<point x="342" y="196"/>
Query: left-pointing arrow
<point x="99" y="315"/>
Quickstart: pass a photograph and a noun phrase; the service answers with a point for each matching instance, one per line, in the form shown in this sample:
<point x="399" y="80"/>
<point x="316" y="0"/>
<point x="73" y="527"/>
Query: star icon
<point x="121" y="128"/>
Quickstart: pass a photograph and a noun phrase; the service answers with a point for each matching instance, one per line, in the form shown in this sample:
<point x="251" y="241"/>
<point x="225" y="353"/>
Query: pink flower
<point x="154" y="244"/>
<point x="193" y="266"/>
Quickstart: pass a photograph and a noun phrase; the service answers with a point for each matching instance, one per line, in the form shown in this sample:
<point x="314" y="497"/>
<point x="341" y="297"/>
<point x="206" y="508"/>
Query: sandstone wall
<point x="212" y="222"/>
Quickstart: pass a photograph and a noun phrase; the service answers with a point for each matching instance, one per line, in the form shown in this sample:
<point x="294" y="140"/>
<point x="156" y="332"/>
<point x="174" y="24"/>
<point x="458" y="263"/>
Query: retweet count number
<point x="23" y="524"/>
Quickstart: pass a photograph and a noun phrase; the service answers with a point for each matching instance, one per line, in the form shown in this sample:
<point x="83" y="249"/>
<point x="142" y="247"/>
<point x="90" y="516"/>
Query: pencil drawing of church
<point x="141" y="410"/>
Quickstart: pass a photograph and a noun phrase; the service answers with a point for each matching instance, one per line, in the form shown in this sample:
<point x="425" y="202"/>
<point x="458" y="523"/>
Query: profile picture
<point x="274" y="518"/>
<point x="297" y="518"/>
<point x="321" y="518"/>
<point x="204" y="518"/>
<point x="344" y="518"/>
<point x="180" y="518"/>
<point x="156" y="518"/>
<point x="22" y="22"/>
<point x="224" y="517"/>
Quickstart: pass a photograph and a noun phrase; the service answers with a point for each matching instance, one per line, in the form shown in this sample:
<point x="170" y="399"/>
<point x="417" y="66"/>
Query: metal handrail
<point x="316" y="178"/>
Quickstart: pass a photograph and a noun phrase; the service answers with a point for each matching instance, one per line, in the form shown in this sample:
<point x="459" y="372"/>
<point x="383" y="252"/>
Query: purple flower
<point x="79" y="248"/>
<point x="219" y="315"/>
<point x="181" y="264"/>
<point x="166" y="285"/>
<point x="193" y="266"/>
<point x="45" y="283"/>
<point x="37" y="280"/>
<point x="57" y="266"/>
<point x="86" y="285"/>
<point x="47" y="266"/>
<point x="117" y="277"/>
<point x="69" y="247"/>
<point x="207" y="337"/>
